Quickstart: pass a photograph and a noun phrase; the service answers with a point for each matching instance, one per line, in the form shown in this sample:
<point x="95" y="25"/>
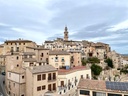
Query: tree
<point x="109" y="62"/>
<point x="83" y="62"/>
<point x="96" y="69"/>
<point x="93" y="60"/>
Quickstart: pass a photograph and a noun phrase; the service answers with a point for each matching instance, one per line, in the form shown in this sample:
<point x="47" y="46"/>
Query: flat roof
<point x="67" y="71"/>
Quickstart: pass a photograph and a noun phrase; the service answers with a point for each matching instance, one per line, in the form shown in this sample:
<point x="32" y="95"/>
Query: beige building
<point x="41" y="80"/>
<point x="68" y="79"/>
<point x="116" y="58"/>
<point x="100" y="88"/>
<point x="17" y="45"/>
<point x="15" y="82"/>
<point x="59" y="59"/>
<point x="75" y="58"/>
<point x="18" y="78"/>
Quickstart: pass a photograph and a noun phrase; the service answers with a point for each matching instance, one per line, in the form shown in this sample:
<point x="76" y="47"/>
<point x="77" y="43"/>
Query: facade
<point x="75" y="57"/>
<point x="97" y="88"/>
<point x="68" y="79"/>
<point x="41" y="80"/>
<point x="59" y="59"/>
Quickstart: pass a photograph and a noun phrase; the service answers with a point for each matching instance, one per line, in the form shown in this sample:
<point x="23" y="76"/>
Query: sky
<point x="39" y="20"/>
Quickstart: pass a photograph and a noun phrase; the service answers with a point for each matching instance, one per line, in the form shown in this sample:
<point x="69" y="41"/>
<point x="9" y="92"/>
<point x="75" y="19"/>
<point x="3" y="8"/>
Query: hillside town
<point x="62" y="67"/>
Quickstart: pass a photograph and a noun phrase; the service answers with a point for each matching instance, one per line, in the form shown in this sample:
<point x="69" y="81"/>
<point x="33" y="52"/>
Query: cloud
<point x="122" y="25"/>
<point x="39" y="20"/>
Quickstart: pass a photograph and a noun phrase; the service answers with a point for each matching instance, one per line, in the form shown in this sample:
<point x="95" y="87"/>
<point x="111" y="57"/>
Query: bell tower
<point x="66" y="33"/>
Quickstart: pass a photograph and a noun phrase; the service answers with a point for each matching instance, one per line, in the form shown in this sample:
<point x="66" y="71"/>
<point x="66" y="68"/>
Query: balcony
<point x="76" y="80"/>
<point x="51" y="79"/>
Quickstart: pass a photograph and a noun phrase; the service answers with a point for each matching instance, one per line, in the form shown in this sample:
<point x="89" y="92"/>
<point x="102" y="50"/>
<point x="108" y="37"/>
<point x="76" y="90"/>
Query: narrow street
<point x="2" y="90"/>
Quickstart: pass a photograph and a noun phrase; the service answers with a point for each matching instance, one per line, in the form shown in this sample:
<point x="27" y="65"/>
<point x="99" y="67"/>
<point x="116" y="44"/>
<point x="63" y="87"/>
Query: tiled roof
<point x="48" y="41"/>
<point x="92" y="84"/>
<point x="37" y="48"/>
<point x="57" y="52"/>
<point x="18" y="70"/>
<point x="19" y="40"/>
<point x="44" y="68"/>
<point x="98" y="85"/>
<point x="67" y="71"/>
<point x="28" y="53"/>
<point x="29" y="59"/>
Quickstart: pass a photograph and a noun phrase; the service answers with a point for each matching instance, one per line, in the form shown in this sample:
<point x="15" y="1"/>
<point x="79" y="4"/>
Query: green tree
<point x="96" y="69"/>
<point x="93" y="60"/>
<point x="109" y="62"/>
<point x="83" y="62"/>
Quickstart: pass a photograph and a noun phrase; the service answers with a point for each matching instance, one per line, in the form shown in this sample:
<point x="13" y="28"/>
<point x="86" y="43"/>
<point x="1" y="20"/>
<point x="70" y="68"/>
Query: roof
<point x="37" y="48"/>
<point x="67" y="71"/>
<point x="57" y="52"/>
<point x="19" y="40"/>
<point x="17" y="70"/>
<point x="28" y="53"/>
<point x="95" y="85"/>
<point x="2" y="56"/>
<point x="48" y="41"/>
<point x="44" y="68"/>
<point x="29" y="59"/>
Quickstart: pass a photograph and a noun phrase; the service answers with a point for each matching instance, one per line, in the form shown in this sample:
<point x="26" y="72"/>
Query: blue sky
<point x="39" y="20"/>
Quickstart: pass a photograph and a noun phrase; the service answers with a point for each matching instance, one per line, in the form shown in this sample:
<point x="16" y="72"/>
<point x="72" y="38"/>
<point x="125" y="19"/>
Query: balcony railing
<point x="51" y="79"/>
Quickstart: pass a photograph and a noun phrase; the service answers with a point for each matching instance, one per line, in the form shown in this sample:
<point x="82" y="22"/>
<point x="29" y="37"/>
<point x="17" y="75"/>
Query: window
<point x="56" y="59"/>
<point x="17" y="49"/>
<point x="49" y="76"/>
<point x="54" y="86"/>
<point x="87" y="76"/>
<point x="22" y="77"/>
<point x="24" y="43"/>
<point x="109" y="94"/>
<point x="54" y="75"/>
<point x="81" y="76"/>
<point x="47" y="53"/>
<point x="31" y="64"/>
<point x="17" y="57"/>
<point x="39" y="88"/>
<point x="84" y="92"/>
<point x="17" y="65"/>
<point x="62" y="59"/>
<point x="39" y="63"/>
<point x="43" y="87"/>
<point x="14" y="84"/>
<point x="100" y="94"/>
<point x="22" y="95"/>
<point x="38" y="77"/>
<point x="42" y="54"/>
<point x="30" y="56"/>
<point x="49" y="87"/>
<point x="9" y="74"/>
<point x="43" y="76"/>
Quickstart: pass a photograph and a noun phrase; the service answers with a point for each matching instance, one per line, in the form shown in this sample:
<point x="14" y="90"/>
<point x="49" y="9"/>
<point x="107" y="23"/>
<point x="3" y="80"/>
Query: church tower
<point x="66" y="34"/>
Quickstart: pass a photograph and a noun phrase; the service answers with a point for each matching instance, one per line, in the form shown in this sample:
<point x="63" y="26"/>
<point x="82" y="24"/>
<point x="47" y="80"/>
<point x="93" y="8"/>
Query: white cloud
<point x="119" y="26"/>
<point x="34" y="35"/>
